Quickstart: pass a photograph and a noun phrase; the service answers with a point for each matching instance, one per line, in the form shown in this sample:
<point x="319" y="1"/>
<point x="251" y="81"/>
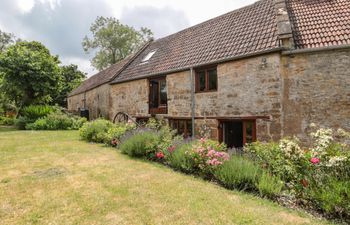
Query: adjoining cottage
<point x="257" y="73"/>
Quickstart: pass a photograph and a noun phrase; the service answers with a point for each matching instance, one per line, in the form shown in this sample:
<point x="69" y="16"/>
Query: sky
<point x="62" y="24"/>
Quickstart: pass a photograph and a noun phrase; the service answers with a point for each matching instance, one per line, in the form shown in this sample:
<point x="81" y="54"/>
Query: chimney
<point x="284" y="27"/>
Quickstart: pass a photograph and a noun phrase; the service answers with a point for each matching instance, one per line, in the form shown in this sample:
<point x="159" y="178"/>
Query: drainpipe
<point x="192" y="102"/>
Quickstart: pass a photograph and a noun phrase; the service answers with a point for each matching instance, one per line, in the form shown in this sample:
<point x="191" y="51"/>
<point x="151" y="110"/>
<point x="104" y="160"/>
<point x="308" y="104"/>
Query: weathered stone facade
<point x="290" y="91"/>
<point x="316" y="89"/>
<point x="285" y="92"/>
<point x="130" y="97"/>
<point x="96" y="101"/>
<point x="246" y="88"/>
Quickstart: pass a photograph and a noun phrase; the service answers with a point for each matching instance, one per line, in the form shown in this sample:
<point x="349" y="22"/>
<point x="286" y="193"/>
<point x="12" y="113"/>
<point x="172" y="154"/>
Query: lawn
<point x="53" y="178"/>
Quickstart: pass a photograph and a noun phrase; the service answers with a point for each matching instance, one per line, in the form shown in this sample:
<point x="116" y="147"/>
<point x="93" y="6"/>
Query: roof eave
<point x="273" y="50"/>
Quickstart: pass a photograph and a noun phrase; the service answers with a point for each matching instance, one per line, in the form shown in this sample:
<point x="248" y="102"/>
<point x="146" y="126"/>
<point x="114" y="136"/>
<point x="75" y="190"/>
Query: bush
<point x="21" y="122"/>
<point x="179" y="159"/>
<point x="96" y="131"/>
<point x="206" y="155"/>
<point x="141" y="144"/>
<point x="57" y="121"/>
<point x="290" y="167"/>
<point x="333" y="197"/>
<point x="7" y="121"/>
<point x="34" y="112"/>
<point x="116" y="132"/>
<point x="239" y="172"/>
<point x="269" y="186"/>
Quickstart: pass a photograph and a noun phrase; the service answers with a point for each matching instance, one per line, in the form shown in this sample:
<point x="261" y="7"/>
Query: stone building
<point x="257" y="73"/>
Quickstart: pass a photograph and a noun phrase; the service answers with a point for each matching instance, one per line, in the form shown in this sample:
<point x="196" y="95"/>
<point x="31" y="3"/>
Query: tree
<point x="70" y="78"/>
<point x="30" y="73"/>
<point x="6" y="39"/>
<point x="113" y="41"/>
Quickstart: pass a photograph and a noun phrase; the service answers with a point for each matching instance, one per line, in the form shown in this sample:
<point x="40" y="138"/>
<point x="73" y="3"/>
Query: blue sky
<point x="62" y="24"/>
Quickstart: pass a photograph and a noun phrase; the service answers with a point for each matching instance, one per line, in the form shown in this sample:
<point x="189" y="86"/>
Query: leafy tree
<point x="6" y="39"/>
<point x="70" y="78"/>
<point x="30" y="73"/>
<point x="113" y="41"/>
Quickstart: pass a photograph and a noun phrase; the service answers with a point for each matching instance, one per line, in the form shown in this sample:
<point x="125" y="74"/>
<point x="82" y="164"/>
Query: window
<point x="158" y="96"/>
<point x="183" y="127"/>
<point x="148" y="56"/>
<point x="206" y="80"/>
<point x="237" y="133"/>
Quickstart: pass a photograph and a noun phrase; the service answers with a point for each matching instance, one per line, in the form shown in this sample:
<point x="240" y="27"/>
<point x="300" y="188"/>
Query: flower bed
<point x="317" y="177"/>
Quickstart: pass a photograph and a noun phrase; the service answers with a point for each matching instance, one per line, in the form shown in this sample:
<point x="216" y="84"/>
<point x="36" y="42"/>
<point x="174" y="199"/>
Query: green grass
<point x="53" y="178"/>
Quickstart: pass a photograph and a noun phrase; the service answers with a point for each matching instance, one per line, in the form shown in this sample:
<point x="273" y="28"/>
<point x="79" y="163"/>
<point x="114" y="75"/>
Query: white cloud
<point x="25" y="6"/>
<point x="83" y="64"/>
<point x="61" y="24"/>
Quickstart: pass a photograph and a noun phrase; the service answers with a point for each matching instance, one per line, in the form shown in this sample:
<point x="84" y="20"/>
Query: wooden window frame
<point x="205" y="69"/>
<point x="162" y="108"/>
<point x="186" y="133"/>
<point x="244" y="129"/>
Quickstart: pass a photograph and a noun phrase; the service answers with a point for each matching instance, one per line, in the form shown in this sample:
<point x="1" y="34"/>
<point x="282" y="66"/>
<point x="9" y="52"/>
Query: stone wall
<point x="291" y="90"/>
<point x="316" y="89"/>
<point x="179" y="94"/>
<point x="247" y="87"/>
<point x="75" y="102"/>
<point x="130" y="97"/>
<point x="97" y="101"/>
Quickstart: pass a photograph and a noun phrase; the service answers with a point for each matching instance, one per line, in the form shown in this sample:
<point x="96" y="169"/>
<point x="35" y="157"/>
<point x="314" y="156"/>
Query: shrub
<point x="239" y="172"/>
<point x="21" y="122"/>
<point x="34" y="112"/>
<point x="57" y="121"/>
<point x="206" y="155"/>
<point x="269" y="186"/>
<point x="116" y="132"/>
<point x="282" y="159"/>
<point x="333" y="197"/>
<point x="96" y="131"/>
<point x="140" y="144"/>
<point x="179" y="159"/>
<point x="78" y="122"/>
<point x="7" y="121"/>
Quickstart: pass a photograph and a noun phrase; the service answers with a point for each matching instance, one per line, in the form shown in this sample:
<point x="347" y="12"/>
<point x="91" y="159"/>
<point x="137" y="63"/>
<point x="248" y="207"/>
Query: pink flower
<point x="315" y="160"/>
<point x="160" y="155"/>
<point x="211" y="153"/>
<point x="200" y="150"/>
<point x="202" y="140"/>
<point x="114" y="142"/>
<point x="214" y="162"/>
<point x="171" y="149"/>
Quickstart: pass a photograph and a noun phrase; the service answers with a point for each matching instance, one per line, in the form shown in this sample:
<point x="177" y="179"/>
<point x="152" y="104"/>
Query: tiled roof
<point x="248" y="30"/>
<point x="102" y="77"/>
<point x="319" y="23"/>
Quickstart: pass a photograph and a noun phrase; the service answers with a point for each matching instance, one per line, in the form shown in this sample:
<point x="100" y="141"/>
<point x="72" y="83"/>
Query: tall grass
<point x="239" y="173"/>
<point x="140" y="144"/>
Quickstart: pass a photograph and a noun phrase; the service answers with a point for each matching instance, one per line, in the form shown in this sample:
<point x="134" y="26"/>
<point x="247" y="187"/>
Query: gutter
<point x="192" y="102"/>
<point x="273" y="50"/>
<point x="311" y="50"/>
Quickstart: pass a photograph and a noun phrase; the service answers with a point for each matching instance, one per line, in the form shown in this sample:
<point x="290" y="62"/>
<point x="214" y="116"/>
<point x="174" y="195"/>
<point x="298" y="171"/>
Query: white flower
<point x="323" y="139"/>
<point x="336" y="161"/>
<point x="291" y="148"/>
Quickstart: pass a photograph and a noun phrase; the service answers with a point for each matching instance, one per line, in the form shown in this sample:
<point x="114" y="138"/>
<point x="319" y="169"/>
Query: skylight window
<point x="148" y="56"/>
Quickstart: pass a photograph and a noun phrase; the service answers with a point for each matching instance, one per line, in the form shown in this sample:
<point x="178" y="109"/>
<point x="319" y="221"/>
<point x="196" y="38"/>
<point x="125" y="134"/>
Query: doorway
<point x="237" y="133"/>
<point x="232" y="134"/>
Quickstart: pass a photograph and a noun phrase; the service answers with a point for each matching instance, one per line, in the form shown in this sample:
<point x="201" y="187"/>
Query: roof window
<point x="148" y="56"/>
